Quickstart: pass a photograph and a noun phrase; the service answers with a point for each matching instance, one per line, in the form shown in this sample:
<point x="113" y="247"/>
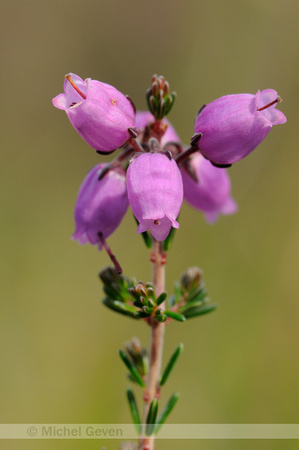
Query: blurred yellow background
<point x="58" y="343"/>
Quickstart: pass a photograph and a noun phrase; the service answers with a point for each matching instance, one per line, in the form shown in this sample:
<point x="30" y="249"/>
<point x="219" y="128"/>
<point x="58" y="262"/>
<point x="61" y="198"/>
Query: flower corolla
<point x="101" y="205"/>
<point x="234" y="125"/>
<point x="155" y="192"/>
<point x="212" y="193"/>
<point x="99" y="112"/>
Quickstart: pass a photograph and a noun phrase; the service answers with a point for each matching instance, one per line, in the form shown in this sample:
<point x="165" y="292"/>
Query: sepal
<point x="146" y="236"/>
<point x="167" y="243"/>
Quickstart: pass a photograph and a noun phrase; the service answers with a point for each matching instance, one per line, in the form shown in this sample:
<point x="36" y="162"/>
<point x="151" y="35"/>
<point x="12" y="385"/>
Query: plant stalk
<point x="156" y="344"/>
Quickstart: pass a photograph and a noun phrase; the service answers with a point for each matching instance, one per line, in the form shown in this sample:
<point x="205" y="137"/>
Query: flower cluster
<point x="154" y="171"/>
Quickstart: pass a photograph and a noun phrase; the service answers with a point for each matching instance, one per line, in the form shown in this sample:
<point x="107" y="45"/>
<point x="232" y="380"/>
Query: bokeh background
<point x="58" y="343"/>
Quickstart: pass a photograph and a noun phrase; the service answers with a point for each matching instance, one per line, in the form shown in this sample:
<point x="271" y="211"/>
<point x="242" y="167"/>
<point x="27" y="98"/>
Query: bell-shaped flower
<point x="100" y="113"/>
<point x="101" y="205"/>
<point x="155" y="192"/>
<point x="234" y="125"/>
<point x="212" y="193"/>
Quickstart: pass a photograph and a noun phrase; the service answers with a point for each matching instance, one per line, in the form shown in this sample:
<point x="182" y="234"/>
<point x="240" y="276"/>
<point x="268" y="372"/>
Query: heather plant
<point x="153" y="173"/>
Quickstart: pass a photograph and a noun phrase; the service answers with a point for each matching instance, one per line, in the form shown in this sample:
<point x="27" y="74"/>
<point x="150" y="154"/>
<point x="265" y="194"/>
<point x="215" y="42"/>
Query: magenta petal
<point x="60" y="101"/>
<point x="100" y="206"/>
<point x="212" y="193"/>
<point x="274" y="116"/>
<point x="100" y="113"/>
<point x="265" y="97"/>
<point x="159" y="228"/>
<point x="232" y="127"/>
<point x="229" y="207"/>
<point x="155" y="193"/>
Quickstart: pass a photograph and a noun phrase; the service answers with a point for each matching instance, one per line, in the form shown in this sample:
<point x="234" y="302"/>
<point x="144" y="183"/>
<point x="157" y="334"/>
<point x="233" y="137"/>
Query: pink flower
<point x="144" y="118"/>
<point x="100" y="206"/>
<point x="155" y="192"/>
<point x="234" y="125"/>
<point x="211" y="194"/>
<point x="99" y="112"/>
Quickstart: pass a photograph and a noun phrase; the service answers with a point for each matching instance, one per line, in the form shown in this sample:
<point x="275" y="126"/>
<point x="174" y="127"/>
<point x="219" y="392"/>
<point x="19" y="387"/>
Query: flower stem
<point x="112" y="257"/>
<point x="156" y="345"/>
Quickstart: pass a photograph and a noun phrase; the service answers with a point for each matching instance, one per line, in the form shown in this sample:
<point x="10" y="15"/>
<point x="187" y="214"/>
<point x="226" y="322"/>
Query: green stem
<point x="156" y="345"/>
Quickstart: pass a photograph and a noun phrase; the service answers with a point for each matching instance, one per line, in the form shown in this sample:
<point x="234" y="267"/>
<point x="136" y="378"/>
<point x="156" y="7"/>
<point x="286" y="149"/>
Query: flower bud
<point x="234" y="125"/>
<point x="98" y="112"/>
<point x="155" y="192"/>
<point x="211" y="194"/>
<point x="100" y="206"/>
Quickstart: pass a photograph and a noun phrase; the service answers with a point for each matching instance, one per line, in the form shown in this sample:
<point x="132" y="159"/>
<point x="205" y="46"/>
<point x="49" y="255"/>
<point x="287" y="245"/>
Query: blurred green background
<point x="58" y="343"/>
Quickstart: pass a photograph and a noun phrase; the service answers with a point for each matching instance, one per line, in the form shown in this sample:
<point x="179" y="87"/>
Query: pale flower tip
<point x="59" y="101"/>
<point x="230" y="207"/>
<point x="211" y="217"/>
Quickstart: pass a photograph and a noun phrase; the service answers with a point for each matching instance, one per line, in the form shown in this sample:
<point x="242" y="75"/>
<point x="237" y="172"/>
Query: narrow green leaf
<point x="117" y="306"/>
<point x="199" y="293"/>
<point x="193" y="312"/>
<point x="171" y="363"/>
<point x="177" y="292"/>
<point x="115" y="285"/>
<point x="189" y="305"/>
<point x="161" y="318"/>
<point x="151" y="302"/>
<point x="166" y="411"/>
<point x="175" y="316"/>
<point x="168" y="241"/>
<point x="162" y="297"/>
<point x="134" y="409"/>
<point x="111" y="292"/>
<point x="125" y="307"/>
<point x="138" y="303"/>
<point x="145" y="236"/>
<point x="141" y="315"/>
<point x="151" y="417"/>
<point x="132" y="368"/>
